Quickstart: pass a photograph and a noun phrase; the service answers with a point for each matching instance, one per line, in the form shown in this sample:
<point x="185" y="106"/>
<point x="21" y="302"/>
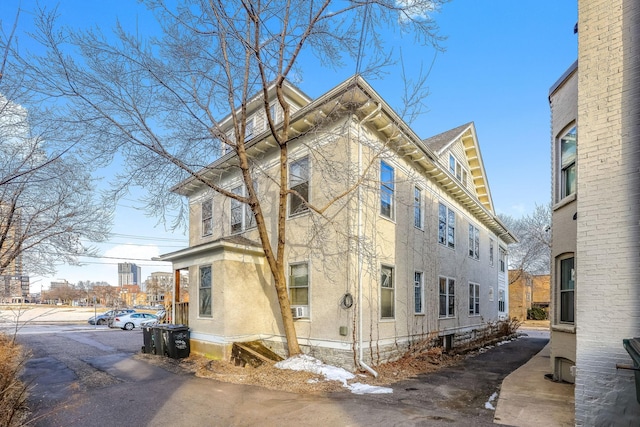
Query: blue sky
<point x="501" y="58"/>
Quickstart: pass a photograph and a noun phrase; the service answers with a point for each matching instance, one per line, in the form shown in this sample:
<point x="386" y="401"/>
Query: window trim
<point x="200" y="288"/>
<point x="308" y="287"/>
<point x="491" y="251"/>
<point x="247" y="221"/>
<point x="390" y="189"/>
<point x="418" y="216"/>
<point x="502" y="305"/>
<point x="205" y="219"/>
<point x="450" y="298"/>
<point x="443" y="238"/>
<point x="392" y="288"/>
<point x="563" y="170"/>
<point x="474" y="242"/>
<point x="502" y="259"/>
<point x="474" y="299"/>
<point x="559" y="261"/>
<point x="418" y="285"/>
<point x="249" y="128"/>
<point x="302" y="208"/>
<point x="458" y="170"/>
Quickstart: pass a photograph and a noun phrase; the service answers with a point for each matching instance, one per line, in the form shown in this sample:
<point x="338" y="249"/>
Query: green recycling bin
<point x="632" y="345"/>
<point x="176" y="339"/>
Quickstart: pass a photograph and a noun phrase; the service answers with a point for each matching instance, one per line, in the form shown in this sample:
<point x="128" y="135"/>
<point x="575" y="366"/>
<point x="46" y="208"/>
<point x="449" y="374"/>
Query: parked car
<point x="132" y="320"/>
<point x="107" y="317"/>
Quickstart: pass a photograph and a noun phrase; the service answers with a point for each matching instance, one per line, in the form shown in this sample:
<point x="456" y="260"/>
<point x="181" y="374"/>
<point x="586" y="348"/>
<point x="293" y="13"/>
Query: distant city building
<point x="129" y="274"/>
<point x="60" y="283"/>
<point x="14" y="287"/>
<point x="159" y="286"/>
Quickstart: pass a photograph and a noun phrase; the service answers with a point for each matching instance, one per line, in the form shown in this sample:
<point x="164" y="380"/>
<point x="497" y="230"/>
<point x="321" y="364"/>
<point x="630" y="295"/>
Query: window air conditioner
<point x="298" y="312"/>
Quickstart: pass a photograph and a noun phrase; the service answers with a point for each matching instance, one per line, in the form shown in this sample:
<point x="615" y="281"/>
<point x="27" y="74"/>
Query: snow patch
<point x="303" y="362"/>
<point x="489" y="403"/>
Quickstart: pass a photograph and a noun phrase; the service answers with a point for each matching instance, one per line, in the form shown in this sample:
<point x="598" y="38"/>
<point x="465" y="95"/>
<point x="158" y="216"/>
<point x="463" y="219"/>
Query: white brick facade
<point x="608" y="214"/>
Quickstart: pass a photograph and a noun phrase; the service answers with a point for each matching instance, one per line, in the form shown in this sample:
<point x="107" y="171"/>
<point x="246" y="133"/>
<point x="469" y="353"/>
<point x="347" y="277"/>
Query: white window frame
<point x="201" y="294"/>
<point x="446" y="227"/>
<point x="418" y="292"/>
<point x="207" y="218"/>
<point x="247" y="220"/>
<point x="502" y="259"/>
<point x="387" y="188"/>
<point x="387" y="287"/>
<point x="567" y="166"/>
<point x="491" y="249"/>
<point x="474" y="242"/>
<point x="501" y="300"/>
<point x="457" y="170"/>
<point x="295" y="183"/>
<point x="418" y="217"/>
<point x="449" y="295"/>
<point x="250" y="128"/>
<point x="474" y="299"/>
<point x="569" y="291"/>
<point x="292" y="285"/>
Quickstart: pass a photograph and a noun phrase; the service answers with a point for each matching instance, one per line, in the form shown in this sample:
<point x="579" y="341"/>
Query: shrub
<point x="536" y="313"/>
<point x="13" y="392"/>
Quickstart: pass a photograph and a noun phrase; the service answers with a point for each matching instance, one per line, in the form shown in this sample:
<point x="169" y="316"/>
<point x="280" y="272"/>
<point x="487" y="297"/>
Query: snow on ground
<point x="307" y="363"/>
<point x="489" y="403"/>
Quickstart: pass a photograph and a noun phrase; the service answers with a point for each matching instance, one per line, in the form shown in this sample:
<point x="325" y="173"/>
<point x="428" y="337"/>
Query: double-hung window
<point x="446" y="226"/>
<point x="567" y="290"/>
<point x="474" y="299"/>
<point x="387" y="293"/>
<point x="207" y="217"/>
<point x="456" y="169"/>
<point x="204" y="292"/>
<point x="491" y="252"/>
<point x="501" y="301"/>
<point x="568" y="163"/>
<point x="447" y="296"/>
<point x="387" y="190"/>
<point x="249" y="129"/>
<point x="418" y="293"/>
<point x="417" y="207"/>
<point x="474" y="242"/>
<point x="299" y="182"/>
<point x="503" y="260"/>
<point x="241" y="215"/>
<point x="299" y="288"/>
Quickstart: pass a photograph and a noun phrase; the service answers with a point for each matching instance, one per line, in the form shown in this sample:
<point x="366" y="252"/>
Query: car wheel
<point x="128" y="326"/>
<point x="101" y="321"/>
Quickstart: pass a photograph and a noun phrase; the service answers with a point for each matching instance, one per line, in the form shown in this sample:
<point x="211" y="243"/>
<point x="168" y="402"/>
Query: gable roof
<point x="467" y="135"/>
<point x="355" y="96"/>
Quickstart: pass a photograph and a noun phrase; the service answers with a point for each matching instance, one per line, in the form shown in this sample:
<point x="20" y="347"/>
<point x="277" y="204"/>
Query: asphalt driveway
<point x="89" y="377"/>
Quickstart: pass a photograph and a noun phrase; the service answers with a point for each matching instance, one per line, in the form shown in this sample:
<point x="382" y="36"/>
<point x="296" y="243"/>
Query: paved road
<point x="89" y="377"/>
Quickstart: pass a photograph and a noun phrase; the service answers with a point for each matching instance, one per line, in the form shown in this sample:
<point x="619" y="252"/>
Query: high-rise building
<point x="129" y="274"/>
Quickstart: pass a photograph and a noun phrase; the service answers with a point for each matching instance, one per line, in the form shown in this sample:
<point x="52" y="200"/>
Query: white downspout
<point x="360" y="326"/>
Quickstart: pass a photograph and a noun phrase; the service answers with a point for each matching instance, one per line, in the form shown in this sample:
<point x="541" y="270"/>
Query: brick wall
<point x="608" y="235"/>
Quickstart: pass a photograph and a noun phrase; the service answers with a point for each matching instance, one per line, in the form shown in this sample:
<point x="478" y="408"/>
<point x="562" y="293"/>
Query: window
<point x="474" y="299"/>
<point x="207" y="217"/>
<point x="501" y="306"/>
<point x="241" y="216"/>
<point x="417" y="207"/>
<point x="204" y="292"/>
<point x="299" y="286"/>
<point x="568" y="163"/>
<point x="387" y="188"/>
<point x="446" y="226"/>
<point x="503" y="260"/>
<point x="418" y="293"/>
<point x="248" y="130"/>
<point x="567" y="290"/>
<point x="456" y="169"/>
<point x="273" y="112"/>
<point x="387" y="293"/>
<point x="474" y="242"/>
<point x="447" y="297"/>
<point x="491" y="252"/>
<point x="299" y="182"/>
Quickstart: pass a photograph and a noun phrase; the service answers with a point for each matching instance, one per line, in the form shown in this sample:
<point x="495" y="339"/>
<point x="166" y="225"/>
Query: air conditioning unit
<point x="299" y="312"/>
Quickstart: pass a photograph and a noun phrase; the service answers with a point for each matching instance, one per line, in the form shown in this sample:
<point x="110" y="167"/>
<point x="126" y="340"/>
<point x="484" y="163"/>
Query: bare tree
<point x="532" y="254"/>
<point x="47" y="203"/>
<point x="164" y="97"/>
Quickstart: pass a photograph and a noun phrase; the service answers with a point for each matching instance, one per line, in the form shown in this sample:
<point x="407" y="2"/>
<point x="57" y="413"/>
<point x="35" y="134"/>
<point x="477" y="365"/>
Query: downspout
<point x="360" y="326"/>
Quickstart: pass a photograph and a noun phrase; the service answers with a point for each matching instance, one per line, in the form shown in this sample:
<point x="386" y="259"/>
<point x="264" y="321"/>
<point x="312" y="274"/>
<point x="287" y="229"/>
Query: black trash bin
<point x="632" y="346"/>
<point x="147" y="338"/>
<point x="177" y="341"/>
<point x="159" y="346"/>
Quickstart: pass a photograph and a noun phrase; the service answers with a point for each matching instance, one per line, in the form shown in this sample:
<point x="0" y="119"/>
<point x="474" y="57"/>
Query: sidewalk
<point x="527" y="398"/>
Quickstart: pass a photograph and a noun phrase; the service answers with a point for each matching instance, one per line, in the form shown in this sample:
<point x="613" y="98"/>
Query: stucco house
<point x="595" y="268"/>
<point x="414" y="252"/>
